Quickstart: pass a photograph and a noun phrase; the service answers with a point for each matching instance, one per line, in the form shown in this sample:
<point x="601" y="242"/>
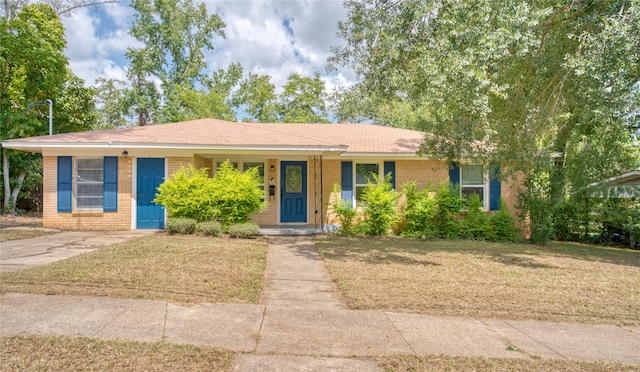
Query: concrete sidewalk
<point x="302" y="324"/>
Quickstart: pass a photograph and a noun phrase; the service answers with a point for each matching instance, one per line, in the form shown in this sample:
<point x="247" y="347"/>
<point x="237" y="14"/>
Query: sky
<point x="267" y="37"/>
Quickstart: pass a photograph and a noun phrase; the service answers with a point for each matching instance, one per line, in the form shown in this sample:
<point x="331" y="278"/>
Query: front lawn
<point x="55" y="353"/>
<point x="173" y="268"/>
<point x="558" y="282"/>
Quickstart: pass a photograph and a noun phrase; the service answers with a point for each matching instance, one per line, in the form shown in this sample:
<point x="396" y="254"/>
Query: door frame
<point x="134" y="190"/>
<point x="305" y="187"/>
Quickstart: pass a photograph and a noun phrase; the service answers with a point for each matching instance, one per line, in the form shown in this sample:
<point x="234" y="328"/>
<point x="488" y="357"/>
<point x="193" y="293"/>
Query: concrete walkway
<point x="302" y="324"/>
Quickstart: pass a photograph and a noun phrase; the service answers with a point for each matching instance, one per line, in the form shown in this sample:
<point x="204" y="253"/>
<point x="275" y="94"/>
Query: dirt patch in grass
<point x="21" y="233"/>
<point x="184" y="269"/>
<point x="446" y="363"/>
<point x="39" y="353"/>
<point x="559" y="282"/>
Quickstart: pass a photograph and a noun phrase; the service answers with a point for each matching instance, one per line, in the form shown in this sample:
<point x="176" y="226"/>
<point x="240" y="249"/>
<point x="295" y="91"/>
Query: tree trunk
<point x="10" y="196"/>
<point x="5" y="184"/>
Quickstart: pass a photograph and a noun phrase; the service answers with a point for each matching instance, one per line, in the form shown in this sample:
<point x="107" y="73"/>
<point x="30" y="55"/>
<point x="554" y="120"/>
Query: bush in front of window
<point x="180" y="226"/>
<point x="419" y="210"/>
<point x="344" y="212"/>
<point x="236" y="195"/>
<point x="246" y="230"/>
<point x="476" y="222"/>
<point x="380" y="210"/>
<point x="210" y="228"/>
<point x="503" y="227"/>
<point x="446" y="220"/>
<point x="188" y="193"/>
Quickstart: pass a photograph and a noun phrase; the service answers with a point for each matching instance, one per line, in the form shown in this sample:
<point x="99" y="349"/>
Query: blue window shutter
<point x="454" y="174"/>
<point x="494" y="191"/>
<point x="347" y="182"/>
<point x="65" y="178"/>
<point x="110" y="191"/>
<point x="390" y="167"/>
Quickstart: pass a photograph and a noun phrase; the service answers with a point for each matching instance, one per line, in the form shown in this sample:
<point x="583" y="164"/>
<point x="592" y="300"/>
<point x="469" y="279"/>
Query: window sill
<point x="87" y="214"/>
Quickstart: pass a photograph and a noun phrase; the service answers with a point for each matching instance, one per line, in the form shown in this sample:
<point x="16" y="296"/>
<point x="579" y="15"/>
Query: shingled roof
<point x="217" y="134"/>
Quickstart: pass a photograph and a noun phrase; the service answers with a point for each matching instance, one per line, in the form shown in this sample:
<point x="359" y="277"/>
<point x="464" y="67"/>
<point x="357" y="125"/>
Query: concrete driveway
<point x="26" y="253"/>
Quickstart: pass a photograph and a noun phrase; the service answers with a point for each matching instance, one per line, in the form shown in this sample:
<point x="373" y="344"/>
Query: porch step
<point x="290" y="230"/>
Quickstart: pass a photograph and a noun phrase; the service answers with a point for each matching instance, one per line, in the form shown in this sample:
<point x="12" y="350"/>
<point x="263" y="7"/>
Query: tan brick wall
<point x="114" y="221"/>
<point x="425" y="173"/>
<point x="175" y="163"/>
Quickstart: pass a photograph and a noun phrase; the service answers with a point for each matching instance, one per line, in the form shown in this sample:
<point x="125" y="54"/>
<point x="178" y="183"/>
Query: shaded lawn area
<point x="15" y="234"/>
<point x="51" y="353"/>
<point x="559" y="282"/>
<point x="187" y="269"/>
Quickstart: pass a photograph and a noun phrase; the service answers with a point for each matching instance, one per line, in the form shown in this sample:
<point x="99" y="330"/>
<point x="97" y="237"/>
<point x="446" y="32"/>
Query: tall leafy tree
<point x="257" y="96"/>
<point x="33" y="68"/>
<point x="110" y="103"/>
<point x="548" y="85"/>
<point x="175" y="36"/>
<point x="303" y="100"/>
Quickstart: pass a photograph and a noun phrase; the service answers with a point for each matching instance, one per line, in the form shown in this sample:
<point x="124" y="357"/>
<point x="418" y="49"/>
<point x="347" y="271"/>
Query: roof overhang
<point x="40" y="147"/>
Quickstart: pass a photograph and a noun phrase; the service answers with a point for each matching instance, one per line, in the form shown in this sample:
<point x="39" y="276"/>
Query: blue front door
<point x="150" y="175"/>
<point x="293" y="191"/>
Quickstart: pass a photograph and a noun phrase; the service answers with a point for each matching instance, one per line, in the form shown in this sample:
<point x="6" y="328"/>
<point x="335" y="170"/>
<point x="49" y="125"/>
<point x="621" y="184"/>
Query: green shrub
<point x="188" y="193"/>
<point x="344" y="212"/>
<point x="181" y="226"/>
<point x="419" y="211"/>
<point x="449" y="203"/>
<point x="537" y="209"/>
<point x="503" y="227"/>
<point x="210" y="228"/>
<point x="476" y="222"/>
<point x="380" y="208"/>
<point x="236" y="195"/>
<point x="245" y="230"/>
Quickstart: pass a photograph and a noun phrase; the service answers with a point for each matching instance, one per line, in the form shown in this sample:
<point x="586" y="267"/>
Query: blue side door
<point x="150" y="175"/>
<point x="293" y="191"/>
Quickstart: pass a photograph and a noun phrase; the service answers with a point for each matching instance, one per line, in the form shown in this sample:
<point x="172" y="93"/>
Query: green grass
<point x="51" y="353"/>
<point x="186" y="269"/>
<point x="558" y="282"/>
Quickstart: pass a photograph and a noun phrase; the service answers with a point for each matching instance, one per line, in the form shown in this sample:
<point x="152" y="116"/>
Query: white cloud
<point x="268" y="37"/>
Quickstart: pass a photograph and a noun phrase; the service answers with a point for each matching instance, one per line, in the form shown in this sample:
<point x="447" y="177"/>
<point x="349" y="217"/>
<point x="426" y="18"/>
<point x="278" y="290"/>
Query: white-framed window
<point x="255" y="164"/>
<point x="88" y="184"/>
<point x="363" y="174"/>
<point x="474" y="180"/>
<point x="244" y="165"/>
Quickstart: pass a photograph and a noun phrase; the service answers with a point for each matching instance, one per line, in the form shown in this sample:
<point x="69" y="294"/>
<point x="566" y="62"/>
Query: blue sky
<point x="266" y="37"/>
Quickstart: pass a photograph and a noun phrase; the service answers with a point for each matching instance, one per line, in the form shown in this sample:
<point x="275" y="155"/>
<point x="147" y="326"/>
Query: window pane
<point x="249" y="165"/>
<point x="234" y="164"/>
<point x="364" y="173"/>
<point x="360" y="192"/>
<point x="467" y="191"/>
<point x="472" y="175"/>
<point x="89" y="183"/>
<point x="293" y="175"/>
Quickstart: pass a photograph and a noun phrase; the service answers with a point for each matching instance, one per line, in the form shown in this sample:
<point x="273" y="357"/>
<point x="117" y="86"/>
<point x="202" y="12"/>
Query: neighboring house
<point x="626" y="186"/>
<point x="107" y="180"/>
